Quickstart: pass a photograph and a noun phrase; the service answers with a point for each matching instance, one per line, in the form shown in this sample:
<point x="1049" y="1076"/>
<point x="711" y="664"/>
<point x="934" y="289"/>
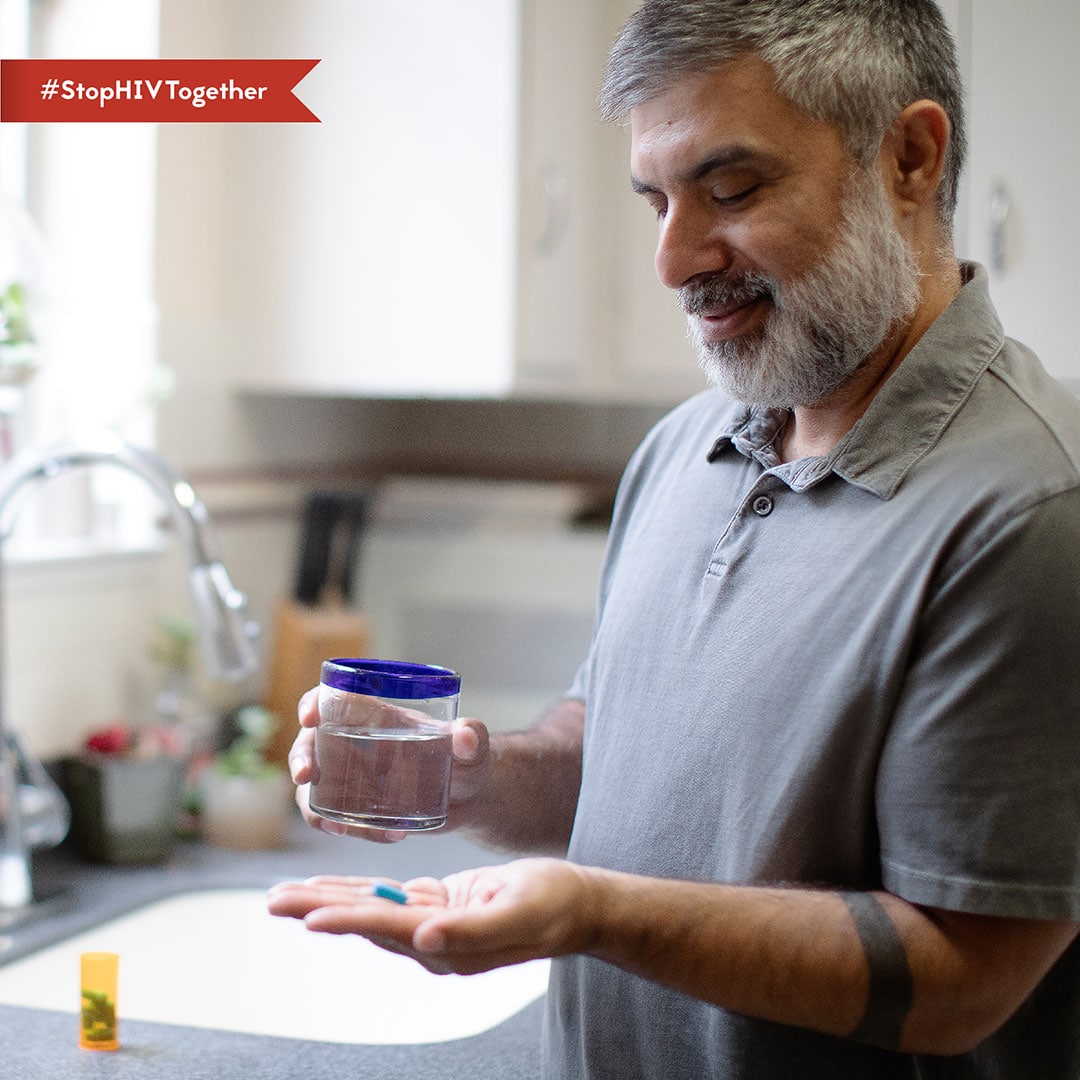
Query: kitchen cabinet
<point x="1020" y="215"/>
<point x="454" y="227"/>
<point x="593" y="320"/>
<point x="461" y="225"/>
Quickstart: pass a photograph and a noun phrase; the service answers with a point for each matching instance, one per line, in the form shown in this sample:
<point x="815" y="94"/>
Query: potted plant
<point x="22" y="274"/>
<point x="18" y="346"/>
<point x="245" y="799"/>
<point x="125" y="792"/>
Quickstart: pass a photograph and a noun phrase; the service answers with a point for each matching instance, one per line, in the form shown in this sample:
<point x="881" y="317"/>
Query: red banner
<point x="153" y="91"/>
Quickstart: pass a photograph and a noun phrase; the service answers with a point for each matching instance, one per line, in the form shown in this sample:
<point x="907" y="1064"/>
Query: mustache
<point x="723" y="290"/>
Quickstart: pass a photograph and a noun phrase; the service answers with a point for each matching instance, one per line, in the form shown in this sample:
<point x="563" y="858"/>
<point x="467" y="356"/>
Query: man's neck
<point x="814" y="430"/>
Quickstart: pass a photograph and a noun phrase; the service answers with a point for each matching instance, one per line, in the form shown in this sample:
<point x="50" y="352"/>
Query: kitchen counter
<point x="78" y="895"/>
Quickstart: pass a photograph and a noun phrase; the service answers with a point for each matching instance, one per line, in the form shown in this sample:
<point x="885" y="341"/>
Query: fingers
<point x="339" y="828"/>
<point x="472" y="765"/>
<point x="302" y="751"/>
<point x="350" y="905"/>
<point x="299" y="898"/>
<point x="470" y="741"/>
<point x="302" y="756"/>
<point x="317" y="821"/>
<point x="470" y="922"/>
<point x="346" y="905"/>
<point x="302" y="768"/>
<point x="469" y="942"/>
<point x="308" y="708"/>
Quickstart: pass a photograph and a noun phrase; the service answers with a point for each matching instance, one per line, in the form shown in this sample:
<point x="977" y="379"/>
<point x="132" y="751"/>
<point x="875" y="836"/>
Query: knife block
<point x="305" y="636"/>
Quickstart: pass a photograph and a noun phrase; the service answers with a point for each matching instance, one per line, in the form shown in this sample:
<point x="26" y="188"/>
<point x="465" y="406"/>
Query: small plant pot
<point x="245" y="813"/>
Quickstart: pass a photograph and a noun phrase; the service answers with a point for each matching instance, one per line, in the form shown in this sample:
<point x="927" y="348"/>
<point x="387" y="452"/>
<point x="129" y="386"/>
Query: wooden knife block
<point x="305" y="636"/>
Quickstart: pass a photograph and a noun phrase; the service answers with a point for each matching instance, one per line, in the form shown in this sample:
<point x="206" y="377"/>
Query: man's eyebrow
<point x="726" y="158"/>
<point x="641" y="188"/>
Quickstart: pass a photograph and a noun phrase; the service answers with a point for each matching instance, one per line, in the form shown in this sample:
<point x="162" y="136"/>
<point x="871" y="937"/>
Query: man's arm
<point x="867" y="966"/>
<point x="522" y="793"/>
<point x="864" y="965"/>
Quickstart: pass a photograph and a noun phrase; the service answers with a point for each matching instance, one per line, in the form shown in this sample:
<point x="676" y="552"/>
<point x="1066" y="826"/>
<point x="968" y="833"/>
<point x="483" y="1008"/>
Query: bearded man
<point x="817" y="781"/>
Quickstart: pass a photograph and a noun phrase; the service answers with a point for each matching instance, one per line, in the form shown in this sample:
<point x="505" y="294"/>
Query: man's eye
<point x="658" y="207"/>
<point x="736" y="198"/>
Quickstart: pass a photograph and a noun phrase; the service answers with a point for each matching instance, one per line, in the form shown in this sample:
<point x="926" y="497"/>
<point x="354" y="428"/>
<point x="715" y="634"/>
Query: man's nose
<point x="687" y="247"/>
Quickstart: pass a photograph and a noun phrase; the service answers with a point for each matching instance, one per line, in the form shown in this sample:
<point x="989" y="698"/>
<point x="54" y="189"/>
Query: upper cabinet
<point x="592" y="321"/>
<point x="459" y="224"/>
<point x="1021" y="217"/>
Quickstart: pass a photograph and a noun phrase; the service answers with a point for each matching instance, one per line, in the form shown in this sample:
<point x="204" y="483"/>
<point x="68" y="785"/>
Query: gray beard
<point x="824" y="325"/>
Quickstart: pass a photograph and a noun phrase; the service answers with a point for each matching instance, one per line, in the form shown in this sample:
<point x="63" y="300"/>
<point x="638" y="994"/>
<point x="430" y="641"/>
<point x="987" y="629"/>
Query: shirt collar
<point x="907" y="415"/>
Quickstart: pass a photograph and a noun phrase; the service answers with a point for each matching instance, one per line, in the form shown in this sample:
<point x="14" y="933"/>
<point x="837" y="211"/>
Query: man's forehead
<point x="712" y="86"/>
<point x="726" y="115"/>
<point x="734" y="101"/>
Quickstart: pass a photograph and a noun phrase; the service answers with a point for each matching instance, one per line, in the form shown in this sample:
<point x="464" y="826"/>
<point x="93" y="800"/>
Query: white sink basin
<point x="216" y="959"/>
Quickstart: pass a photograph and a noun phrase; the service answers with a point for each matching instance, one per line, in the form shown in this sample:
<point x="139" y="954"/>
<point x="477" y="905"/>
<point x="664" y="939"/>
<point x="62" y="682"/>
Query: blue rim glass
<point x="397" y="679"/>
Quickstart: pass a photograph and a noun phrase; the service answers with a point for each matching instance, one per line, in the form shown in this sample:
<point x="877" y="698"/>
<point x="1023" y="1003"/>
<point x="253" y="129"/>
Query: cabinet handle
<point x="999" y="207"/>
<point x="556" y="208"/>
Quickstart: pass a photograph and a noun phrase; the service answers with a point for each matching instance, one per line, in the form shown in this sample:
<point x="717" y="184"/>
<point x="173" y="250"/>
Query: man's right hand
<point x="470" y="775"/>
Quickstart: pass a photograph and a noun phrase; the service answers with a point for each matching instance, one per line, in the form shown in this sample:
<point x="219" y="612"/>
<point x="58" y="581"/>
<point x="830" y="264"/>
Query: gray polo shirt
<point x="860" y="671"/>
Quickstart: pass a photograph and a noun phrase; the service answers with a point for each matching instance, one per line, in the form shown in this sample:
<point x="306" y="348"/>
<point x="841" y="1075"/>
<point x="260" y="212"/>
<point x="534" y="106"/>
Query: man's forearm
<point x="530" y="801"/>
<point x="814" y="959"/>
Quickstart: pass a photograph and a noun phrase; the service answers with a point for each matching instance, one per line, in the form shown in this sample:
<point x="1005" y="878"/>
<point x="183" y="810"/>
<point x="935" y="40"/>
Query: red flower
<point x="114" y="739"/>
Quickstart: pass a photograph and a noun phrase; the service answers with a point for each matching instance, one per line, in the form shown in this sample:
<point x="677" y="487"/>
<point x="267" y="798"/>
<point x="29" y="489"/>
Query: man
<point x="818" y="776"/>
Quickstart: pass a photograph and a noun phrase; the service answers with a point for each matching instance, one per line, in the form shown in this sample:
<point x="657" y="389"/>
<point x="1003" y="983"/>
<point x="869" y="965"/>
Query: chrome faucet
<point x="229" y="638"/>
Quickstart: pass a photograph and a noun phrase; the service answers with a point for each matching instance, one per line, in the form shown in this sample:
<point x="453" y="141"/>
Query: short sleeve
<point x="978" y="791"/>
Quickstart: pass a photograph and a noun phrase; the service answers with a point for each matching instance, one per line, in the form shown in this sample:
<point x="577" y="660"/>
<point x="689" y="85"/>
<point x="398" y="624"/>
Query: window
<point x="90" y="189"/>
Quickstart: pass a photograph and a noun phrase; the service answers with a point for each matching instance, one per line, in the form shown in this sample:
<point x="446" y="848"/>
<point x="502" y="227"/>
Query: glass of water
<point x="383" y="744"/>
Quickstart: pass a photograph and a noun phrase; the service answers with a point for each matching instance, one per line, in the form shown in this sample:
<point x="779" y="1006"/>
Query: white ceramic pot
<point x="245" y="813"/>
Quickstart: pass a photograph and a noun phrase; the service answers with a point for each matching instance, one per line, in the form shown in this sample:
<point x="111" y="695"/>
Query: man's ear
<point x="913" y="155"/>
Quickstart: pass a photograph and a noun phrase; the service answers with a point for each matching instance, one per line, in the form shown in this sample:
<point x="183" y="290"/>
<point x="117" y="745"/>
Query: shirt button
<point x="763" y="506"/>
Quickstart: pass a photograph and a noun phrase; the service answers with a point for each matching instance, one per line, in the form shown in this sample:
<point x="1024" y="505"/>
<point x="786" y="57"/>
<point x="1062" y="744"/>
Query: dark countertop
<point x="42" y="1045"/>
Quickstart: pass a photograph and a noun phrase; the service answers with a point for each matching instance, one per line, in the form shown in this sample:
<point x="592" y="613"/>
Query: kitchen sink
<point x="214" y="958"/>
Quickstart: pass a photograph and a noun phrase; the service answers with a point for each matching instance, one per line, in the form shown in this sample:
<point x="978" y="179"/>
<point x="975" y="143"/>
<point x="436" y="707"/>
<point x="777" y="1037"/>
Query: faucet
<point x="227" y="635"/>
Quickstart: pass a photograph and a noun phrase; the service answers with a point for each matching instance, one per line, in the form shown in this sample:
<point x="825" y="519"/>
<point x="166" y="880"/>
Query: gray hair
<point x="853" y="63"/>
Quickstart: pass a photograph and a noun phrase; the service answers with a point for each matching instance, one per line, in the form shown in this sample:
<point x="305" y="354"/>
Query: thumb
<point x="470" y="741"/>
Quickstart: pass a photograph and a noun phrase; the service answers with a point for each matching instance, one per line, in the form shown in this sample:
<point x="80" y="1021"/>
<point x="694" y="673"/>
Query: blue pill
<point x="389" y="892"/>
